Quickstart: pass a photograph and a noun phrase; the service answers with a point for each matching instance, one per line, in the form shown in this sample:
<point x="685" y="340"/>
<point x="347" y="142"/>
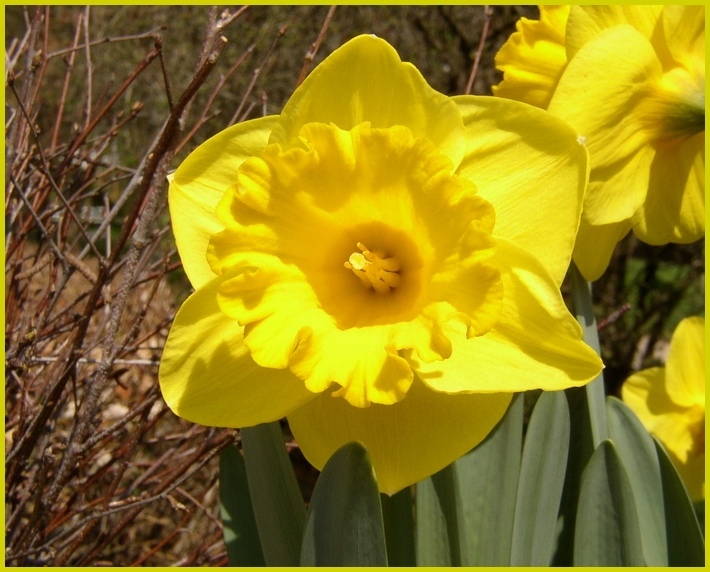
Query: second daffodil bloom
<point x="631" y="81"/>
<point x="378" y="263"/>
<point x="670" y="402"/>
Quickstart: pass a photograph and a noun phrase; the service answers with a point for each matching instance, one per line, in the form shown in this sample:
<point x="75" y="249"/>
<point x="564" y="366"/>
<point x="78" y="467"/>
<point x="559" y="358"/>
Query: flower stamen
<point x="374" y="270"/>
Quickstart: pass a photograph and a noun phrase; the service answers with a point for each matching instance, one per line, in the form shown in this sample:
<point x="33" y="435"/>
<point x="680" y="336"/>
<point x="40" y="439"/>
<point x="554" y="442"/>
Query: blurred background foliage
<point x="639" y="301"/>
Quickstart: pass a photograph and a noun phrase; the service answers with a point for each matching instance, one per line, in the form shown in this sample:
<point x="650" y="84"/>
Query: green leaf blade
<point x="606" y="530"/>
<point x="398" y="514"/>
<point x="344" y="526"/>
<point x="279" y="509"/>
<point x="686" y="546"/>
<point x="638" y="454"/>
<point x="542" y="476"/>
<point x="241" y="536"/>
<point x="439" y="519"/>
<point x="465" y="512"/>
<point x="584" y="312"/>
<point x="488" y="481"/>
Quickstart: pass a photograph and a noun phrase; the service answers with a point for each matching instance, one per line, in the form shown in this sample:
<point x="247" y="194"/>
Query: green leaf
<point x="580" y="451"/>
<point x="584" y="311"/>
<point x="465" y="512"/>
<point x="240" y="533"/>
<point x="607" y="530"/>
<point x="279" y="509"/>
<point x="344" y="524"/>
<point x="638" y="455"/>
<point x="487" y="481"/>
<point x="542" y="475"/>
<point x="686" y="546"/>
<point x="398" y="515"/>
<point x="699" y="508"/>
<point x="439" y="517"/>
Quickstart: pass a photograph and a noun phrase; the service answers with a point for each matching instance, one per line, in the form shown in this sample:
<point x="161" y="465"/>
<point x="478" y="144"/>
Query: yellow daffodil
<point x="670" y="402"/>
<point x="379" y="263"/>
<point x="631" y="81"/>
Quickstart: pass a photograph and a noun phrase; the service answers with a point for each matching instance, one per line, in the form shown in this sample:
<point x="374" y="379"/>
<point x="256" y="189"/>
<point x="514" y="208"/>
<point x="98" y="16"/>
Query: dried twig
<point x="487" y="13"/>
<point x="59" y="374"/>
<point x="255" y="76"/>
<point x="308" y="60"/>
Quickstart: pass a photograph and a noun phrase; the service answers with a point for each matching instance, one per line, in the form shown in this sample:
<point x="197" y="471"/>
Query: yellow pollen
<point x="374" y="270"/>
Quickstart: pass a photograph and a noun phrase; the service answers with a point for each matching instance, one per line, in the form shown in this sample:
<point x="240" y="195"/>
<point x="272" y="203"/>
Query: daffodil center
<point x="374" y="269"/>
<point x="676" y="107"/>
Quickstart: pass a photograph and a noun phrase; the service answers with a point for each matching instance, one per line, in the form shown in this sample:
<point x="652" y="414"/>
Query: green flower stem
<point x="584" y="311"/>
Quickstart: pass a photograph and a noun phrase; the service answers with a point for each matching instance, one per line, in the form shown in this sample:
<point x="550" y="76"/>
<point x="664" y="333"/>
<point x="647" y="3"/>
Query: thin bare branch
<point x="487" y="13"/>
<point x="255" y="75"/>
<point x="308" y="60"/>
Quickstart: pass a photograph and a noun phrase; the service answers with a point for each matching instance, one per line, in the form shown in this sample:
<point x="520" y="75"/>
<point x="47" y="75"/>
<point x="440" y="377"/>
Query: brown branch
<point x="78" y="142"/>
<point x="150" y="34"/>
<point x="157" y="157"/>
<point x="44" y="169"/>
<point x="89" y="69"/>
<point x="65" y="86"/>
<point x="487" y="13"/>
<point x="223" y="80"/>
<point x="199" y="459"/>
<point x="308" y="60"/>
<point x="256" y="74"/>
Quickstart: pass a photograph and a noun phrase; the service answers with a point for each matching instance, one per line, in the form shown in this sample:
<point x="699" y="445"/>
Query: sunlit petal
<point x="407" y="441"/>
<point x="670" y="402"/>
<point x="533" y="335"/>
<point x="523" y="161"/>
<point x="365" y="80"/>
<point x="207" y="375"/>
<point x="685" y="367"/>
<point x="198" y="185"/>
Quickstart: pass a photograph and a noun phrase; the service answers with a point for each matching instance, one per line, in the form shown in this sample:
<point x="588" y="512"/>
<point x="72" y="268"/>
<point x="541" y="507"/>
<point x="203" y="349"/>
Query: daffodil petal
<point x="362" y="361"/>
<point x="533" y="58"/>
<point x="536" y="342"/>
<point x="675" y="426"/>
<point x="364" y="80"/>
<point x="587" y="22"/>
<point x="208" y="376"/>
<point x="595" y="245"/>
<point x="693" y="474"/>
<point x="198" y="185"/>
<point x="525" y="162"/>
<point x="674" y="210"/>
<point x="685" y="367"/>
<point x="599" y="95"/>
<point x="408" y="441"/>
<point x="684" y="33"/>
<point x="645" y="393"/>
